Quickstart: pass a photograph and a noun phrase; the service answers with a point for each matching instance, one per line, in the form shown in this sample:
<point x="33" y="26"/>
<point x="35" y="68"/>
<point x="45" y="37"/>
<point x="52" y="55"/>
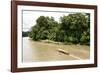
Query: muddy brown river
<point x="41" y="51"/>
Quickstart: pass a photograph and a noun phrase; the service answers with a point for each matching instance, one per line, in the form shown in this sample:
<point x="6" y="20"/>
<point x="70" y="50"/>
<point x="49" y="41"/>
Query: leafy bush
<point x="73" y="28"/>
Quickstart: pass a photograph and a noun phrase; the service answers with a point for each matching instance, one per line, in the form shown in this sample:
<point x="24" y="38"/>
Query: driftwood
<point x="67" y="53"/>
<point x="63" y="51"/>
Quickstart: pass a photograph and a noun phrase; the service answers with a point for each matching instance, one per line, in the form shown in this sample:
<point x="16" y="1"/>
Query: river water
<point x="41" y="51"/>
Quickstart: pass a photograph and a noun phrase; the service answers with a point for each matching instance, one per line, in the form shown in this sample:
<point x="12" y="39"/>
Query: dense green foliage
<point x="73" y="28"/>
<point x="25" y="34"/>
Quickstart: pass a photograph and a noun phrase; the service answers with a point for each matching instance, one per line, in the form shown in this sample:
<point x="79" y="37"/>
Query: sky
<point x="29" y="17"/>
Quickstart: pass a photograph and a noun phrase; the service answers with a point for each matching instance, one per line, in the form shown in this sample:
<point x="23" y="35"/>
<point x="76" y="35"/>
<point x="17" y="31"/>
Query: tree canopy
<point x="73" y="28"/>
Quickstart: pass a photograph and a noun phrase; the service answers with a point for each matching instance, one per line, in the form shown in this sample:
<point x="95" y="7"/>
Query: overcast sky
<point x="30" y="17"/>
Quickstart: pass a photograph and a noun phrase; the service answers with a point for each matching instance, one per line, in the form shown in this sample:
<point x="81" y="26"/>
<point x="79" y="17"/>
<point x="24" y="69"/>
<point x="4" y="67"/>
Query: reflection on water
<point x="40" y="51"/>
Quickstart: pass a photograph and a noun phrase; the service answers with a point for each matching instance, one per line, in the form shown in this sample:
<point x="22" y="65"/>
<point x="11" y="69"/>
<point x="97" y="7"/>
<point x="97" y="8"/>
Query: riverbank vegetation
<point x="25" y="34"/>
<point x="73" y="28"/>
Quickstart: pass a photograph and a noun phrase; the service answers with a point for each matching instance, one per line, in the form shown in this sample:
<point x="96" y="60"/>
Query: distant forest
<point x="73" y="28"/>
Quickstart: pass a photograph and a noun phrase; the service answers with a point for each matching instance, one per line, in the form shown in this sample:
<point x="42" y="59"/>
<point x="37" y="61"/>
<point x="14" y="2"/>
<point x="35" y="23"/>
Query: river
<point x="41" y="51"/>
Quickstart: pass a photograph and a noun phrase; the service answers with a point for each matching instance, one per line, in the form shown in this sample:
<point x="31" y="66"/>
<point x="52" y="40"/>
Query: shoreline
<point x="59" y="43"/>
